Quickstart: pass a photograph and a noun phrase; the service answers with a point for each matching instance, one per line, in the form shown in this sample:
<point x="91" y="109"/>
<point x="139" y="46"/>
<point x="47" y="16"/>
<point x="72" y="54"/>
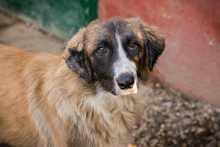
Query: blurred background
<point x="183" y="107"/>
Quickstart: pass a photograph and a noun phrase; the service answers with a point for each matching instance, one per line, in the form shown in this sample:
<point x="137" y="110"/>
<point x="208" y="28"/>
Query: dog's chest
<point x="116" y="115"/>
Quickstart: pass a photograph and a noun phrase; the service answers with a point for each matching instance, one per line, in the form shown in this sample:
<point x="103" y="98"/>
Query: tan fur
<point x="44" y="103"/>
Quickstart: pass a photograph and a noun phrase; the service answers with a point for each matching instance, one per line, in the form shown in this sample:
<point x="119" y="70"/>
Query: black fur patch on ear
<point x="155" y="47"/>
<point x="79" y="63"/>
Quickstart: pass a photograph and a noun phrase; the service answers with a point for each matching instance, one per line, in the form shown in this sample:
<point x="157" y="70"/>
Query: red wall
<point x="191" y="60"/>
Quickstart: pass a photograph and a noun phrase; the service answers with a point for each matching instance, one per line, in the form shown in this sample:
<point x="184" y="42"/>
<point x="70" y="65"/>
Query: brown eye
<point x="102" y="49"/>
<point x="133" y="46"/>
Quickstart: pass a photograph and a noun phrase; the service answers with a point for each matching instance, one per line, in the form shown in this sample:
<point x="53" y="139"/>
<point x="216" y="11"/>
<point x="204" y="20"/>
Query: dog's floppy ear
<point x="79" y="63"/>
<point x="76" y="57"/>
<point x="154" y="43"/>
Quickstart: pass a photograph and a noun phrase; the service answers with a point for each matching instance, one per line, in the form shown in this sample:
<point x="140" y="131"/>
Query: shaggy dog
<point x="89" y="96"/>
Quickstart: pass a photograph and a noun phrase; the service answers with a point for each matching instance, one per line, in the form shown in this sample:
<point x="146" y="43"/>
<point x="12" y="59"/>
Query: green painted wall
<point x="61" y="17"/>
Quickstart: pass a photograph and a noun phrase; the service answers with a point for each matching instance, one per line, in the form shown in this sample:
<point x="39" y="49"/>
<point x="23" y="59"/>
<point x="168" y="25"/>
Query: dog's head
<point x="114" y="52"/>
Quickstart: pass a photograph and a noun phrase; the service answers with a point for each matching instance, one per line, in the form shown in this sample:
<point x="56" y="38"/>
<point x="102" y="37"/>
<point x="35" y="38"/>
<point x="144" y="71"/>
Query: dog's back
<point x="12" y="94"/>
<point x="16" y="68"/>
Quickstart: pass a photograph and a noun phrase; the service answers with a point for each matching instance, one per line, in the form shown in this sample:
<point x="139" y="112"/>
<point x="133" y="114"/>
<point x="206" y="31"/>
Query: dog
<point x="89" y="96"/>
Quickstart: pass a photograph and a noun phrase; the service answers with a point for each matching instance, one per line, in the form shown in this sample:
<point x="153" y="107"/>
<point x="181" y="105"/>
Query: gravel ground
<point x="172" y="120"/>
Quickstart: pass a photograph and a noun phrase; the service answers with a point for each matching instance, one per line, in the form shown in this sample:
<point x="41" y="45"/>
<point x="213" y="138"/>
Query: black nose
<point x="125" y="81"/>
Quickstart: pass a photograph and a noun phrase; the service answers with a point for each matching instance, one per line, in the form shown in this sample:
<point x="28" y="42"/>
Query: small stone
<point x="217" y="110"/>
<point x="209" y="110"/>
<point x="154" y="142"/>
<point x="189" y="141"/>
<point x="200" y="130"/>
<point x="143" y="143"/>
<point x="216" y="126"/>
<point x="179" y="105"/>
<point x="174" y="142"/>
<point x="160" y="119"/>
<point x="142" y="134"/>
<point x="151" y="98"/>
<point x="193" y="105"/>
<point x="186" y="121"/>
<point x="217" y="135"/>
<point x="175" y="134"/>
<point x="177" y="108"/>
<point x="156" y="108"/>
<point x="182" y="136"/>
<point x="211" y="138"/>
<point x="164" y="113"/>
<point x="167" y="104"/>
<point x="174" y="126"/>
<point x="147" y="138"/>
<point x="188" y="113"/>
<point x="170" y="133"/>
<point x="213" y="118"/>
<point x="193" y="129"/>
<point x="177" y="114"/>
<point x="157" y="85"/>
<point x="186" y="131"/>
<point x="172" y="117"/>
<point x="162" y="126"/>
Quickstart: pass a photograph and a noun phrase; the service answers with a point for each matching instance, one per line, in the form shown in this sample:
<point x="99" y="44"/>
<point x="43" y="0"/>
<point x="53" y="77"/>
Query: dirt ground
<point x="19" y="34"/>
<point x="169" y="120"/>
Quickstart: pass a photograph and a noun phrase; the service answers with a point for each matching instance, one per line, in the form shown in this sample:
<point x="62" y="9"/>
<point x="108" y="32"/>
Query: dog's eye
<point x="133" y="46"/>
<point x="102" y="49"/>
